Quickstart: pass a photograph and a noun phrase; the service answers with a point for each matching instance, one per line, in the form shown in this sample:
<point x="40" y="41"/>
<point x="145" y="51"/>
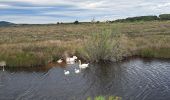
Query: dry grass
<point x="36" y="45"/>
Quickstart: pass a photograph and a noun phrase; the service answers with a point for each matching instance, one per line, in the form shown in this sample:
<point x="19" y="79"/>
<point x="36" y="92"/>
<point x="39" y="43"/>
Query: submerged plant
<point x="105" y="98"/>
<point x="99" y="98"/>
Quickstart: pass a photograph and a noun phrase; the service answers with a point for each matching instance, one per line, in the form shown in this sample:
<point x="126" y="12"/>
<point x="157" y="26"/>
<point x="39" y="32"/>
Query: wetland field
<point x="39" y="45"/>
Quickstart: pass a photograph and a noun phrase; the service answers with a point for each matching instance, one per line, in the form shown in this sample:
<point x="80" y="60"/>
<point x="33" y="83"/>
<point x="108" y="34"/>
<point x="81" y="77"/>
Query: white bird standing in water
<point x="77" y="71"/>
<point x="3" y="64"/>
<point x="83" y="66"/>
<point x="71" y="60"/>
<point x="3" y="69"/>
<point x="66" y="72"/>
<point x="59" y="61"/>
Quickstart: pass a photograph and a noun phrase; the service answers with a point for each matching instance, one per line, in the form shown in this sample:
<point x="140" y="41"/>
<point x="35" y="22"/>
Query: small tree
<point x="164" y="17"/>
<point x="76" y="22"/>
<point x="98" y="22"/>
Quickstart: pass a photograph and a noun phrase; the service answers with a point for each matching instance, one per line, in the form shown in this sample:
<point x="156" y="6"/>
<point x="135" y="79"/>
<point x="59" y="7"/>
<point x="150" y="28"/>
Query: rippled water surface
<point x="133" y="79"/>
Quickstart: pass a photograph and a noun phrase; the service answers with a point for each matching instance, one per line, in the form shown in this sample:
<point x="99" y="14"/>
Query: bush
<point x="98" y="22"/>
<point x="76" y="22"/>
<point x="102" y="46"/>
<point x="164" y="17"/>
<point x="140" y="18"/>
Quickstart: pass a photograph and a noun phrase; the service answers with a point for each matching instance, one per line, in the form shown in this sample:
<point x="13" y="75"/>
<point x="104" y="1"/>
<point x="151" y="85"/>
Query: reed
<point x="103" y="46"/>
<point x="36" y="45"/>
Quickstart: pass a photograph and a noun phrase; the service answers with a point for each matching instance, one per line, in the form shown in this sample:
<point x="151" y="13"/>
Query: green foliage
<point x="147" y="53"/>
<point x="89" y="98"/>
<point x="103" y="46"/>
<point x="76" y="22"/>
<point x="99" y="98"/>
<point x="98" y="22"/>
<point x="23" y="59"/>
<point x="164" y="17"/>
<point x="114" y="98"/>
<point x="36" y="45"/>
<point x="154" y="52"/>
<point x="140" y="18"/>
<point x="105" y="98"/>
<point x="145" y="18"/>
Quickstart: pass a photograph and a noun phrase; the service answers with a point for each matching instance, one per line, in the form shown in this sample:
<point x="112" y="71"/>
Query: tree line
<point x="145" y="18"/>
<point x="130" y="19"/>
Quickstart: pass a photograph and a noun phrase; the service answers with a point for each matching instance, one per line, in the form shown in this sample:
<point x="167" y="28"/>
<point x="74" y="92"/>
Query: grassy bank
<point x="37" y="45"/>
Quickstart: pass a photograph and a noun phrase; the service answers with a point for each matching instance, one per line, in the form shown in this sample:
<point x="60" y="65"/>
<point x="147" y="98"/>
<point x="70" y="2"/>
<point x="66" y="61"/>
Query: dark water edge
<point x="132" y="79"/>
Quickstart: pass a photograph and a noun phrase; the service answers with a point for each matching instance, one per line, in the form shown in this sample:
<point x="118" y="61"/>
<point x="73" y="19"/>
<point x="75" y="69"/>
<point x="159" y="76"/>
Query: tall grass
<point x="24" y="59"/>
<point x="36" y="45"/>
<point x="103" y="46"/>
<point x="154" y="52"/>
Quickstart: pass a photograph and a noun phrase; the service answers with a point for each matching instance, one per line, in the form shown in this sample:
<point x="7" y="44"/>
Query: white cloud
<point x="2" y="6"/>
<point x="101" y="9"/>
<point x="31" y="19"/>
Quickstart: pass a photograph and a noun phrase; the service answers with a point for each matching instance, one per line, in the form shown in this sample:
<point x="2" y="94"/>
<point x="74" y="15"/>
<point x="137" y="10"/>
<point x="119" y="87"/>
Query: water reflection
<point x="132" y="79"/>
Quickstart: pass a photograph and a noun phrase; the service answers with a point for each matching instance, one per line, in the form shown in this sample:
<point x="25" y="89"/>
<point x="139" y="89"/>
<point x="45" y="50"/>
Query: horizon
<point x="53" y="11"/>
<point x="79" y="21"/>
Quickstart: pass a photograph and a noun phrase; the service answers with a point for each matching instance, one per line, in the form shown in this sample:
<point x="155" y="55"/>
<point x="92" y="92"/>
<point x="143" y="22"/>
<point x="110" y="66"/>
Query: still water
<point x="132" y="79"/>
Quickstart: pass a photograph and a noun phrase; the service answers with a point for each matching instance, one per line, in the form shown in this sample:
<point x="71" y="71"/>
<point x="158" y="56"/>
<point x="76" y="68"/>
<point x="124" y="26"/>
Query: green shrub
<point x="99" y="98"/>
<point x="164" y="17"/>
<point x="76" y="22"/>
<point x="103" y="46"/>
<point x="139" y="18"/>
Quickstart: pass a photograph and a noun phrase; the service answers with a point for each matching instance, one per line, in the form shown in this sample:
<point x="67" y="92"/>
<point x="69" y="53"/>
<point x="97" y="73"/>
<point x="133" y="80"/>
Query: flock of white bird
<point x="69" y="60"/>
<point x="72" y="60"/>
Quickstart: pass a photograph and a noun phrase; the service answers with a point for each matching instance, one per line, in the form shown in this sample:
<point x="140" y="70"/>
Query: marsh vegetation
<point x="37" y="45"/>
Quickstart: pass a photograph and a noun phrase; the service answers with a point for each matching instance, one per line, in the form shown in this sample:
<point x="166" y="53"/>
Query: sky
<point x="53" y="11"/>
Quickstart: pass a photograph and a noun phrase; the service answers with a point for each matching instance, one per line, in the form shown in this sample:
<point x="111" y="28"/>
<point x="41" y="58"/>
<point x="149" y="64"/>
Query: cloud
<point x="2" y="6"/>
<point x="34" y="20"/>
<point x="48" y="11"/>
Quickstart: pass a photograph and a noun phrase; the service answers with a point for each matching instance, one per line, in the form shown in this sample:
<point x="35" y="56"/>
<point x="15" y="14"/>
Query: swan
<point x="3" y="69"/>
<point x="71" y="60"/>
<point x="59" y="61"/>
<point x="77" y="71"/>
<point x="66" y="72"/>
<point x="83" y="66"/>
<point x="3" y="64"/>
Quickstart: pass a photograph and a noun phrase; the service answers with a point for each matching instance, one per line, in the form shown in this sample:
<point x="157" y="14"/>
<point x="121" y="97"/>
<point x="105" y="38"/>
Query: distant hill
<point x="4" y="23"/>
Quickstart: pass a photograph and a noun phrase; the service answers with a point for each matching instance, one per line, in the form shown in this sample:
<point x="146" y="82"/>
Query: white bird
<point x="71" y="60"/>
<point x="59" y="61"/>
<point x="3" y="69"/>
<point x="77" y="71"/>
<point x="66" y="72"/>
<point x="3" y="64"/>
<point x="83" y="66"/>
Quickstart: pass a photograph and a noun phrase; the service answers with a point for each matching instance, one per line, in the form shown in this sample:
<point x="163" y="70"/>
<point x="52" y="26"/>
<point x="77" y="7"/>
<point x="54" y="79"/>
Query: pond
<point x="131" y="79"/>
